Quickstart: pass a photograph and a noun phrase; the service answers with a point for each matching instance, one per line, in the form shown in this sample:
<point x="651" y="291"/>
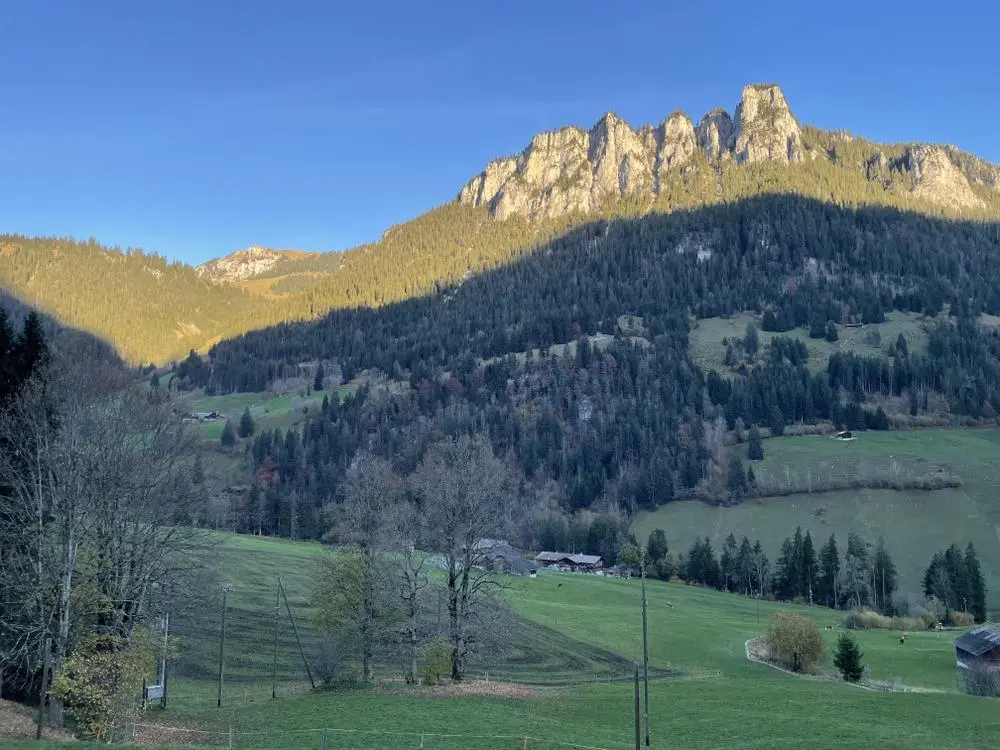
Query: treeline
<point x="863" y="577"/>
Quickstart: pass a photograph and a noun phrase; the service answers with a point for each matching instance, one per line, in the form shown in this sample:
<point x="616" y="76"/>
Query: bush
<point x="795" y="641"/>
<point x="961" y="619"/>
<point x="866" y="619"/>
<point x="848" y="658"/>
<point x="435" y="661"/>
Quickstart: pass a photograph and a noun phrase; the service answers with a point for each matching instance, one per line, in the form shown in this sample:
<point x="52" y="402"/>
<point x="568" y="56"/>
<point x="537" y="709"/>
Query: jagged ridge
<point x="577" y="171"/>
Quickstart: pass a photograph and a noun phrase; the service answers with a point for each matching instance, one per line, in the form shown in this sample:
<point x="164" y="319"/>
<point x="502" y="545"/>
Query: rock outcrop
<point x="244" y="264"/>
<point x="577" y="171"/>
<point x="938" y="179"/>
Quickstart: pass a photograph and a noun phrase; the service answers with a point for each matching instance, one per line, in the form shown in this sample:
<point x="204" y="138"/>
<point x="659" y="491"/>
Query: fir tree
<point x="727" y="562"/>
<point x="154" y="381"/>
<point x="228" y="437"/>
<point x="810" y="570"/>
<point x="755" y="450"/>
<point x="656" y="546"/>
<point x="736" y="479"/>
<point x="247" y="426"/>
<point x="847" y="659"/>
<point x="976" y="584"/>
<point x="829" y="562"/>
<point x="318" y="380"/>
<point x="744" y="565"/>
<point x="885" y="577"/>
<point x="831" y="331"/>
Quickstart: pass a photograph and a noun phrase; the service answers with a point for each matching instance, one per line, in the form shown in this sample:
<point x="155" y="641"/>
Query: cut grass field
<point x="915" y="523"/>
<point x="720" y="700"/>
<point x="268" y="410"/>
<point x="707" y="349"/>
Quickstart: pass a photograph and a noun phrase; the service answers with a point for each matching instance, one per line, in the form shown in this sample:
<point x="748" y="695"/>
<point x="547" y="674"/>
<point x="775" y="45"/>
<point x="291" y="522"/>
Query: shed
<point x="977" y="654"/>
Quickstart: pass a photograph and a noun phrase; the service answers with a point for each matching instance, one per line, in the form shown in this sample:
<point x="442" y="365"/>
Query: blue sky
<point x="196" y="127"/>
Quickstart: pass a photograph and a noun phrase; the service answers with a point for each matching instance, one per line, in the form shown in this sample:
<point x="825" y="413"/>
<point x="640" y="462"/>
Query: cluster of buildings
<point x="501" y="557"/>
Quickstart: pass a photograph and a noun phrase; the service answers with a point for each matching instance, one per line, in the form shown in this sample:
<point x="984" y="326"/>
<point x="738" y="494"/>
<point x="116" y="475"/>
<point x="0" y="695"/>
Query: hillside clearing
<point x="915" y="523"/>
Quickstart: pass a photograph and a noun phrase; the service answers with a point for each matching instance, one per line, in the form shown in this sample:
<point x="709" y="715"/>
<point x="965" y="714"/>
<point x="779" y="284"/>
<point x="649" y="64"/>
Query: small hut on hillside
<point x="978" y="656"/>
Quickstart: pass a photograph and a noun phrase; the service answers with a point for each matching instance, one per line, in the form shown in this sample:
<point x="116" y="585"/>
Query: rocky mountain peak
<point x="765" y="129"/>
<point x="572" y="170"/>
<point x="245" y="264"/>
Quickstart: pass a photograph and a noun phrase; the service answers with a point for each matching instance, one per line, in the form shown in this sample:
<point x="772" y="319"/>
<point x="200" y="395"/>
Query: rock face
<point x="242" y="265"/>
<point x="577" y="171"/>
<point x="938" y="179"/>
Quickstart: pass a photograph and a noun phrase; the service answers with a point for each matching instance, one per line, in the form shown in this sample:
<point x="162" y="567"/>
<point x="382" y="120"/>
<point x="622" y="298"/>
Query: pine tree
<point x="727" y="562"/>
<point x="744" y="566"/>
<point x="885" y="577"/>
<point x="247" y="426"/>
<point x="829" y="563"/>
<point x="848" y="658"/>
<point x="976" y="584"/>
<point x="154" y="381"/>
<point x="751" y="342"/>
<point x="736" y="479"/>
<point x="831" y="331"/>
<point x="784" y="572"/>
<point x="755" y="450"/>
<point x="318" y="380"/>
<point x="228" y="437"/>
<point x="810" y="570"/>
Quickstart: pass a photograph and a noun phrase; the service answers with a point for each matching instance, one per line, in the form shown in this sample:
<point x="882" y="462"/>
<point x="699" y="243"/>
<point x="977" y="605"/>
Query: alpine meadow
<point x="683" y="435"/>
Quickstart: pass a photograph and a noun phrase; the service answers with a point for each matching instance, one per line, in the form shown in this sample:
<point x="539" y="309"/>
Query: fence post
<point x="525" y="743"/>
<point x="421" y="741"/>
<point x="326" y="736"/>
<point x="230" y="735"/>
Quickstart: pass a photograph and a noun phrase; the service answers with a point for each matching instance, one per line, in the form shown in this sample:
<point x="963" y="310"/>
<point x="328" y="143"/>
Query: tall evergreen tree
<point x="656" y="546"/>
<point x="228" y="437"/>
<point x="247" y="426"/>
<point x="320" y="376"/>
<point x="810" y="569"/>
<point x="784" y="571"/>
<point x="727" y="563"/>
<point x="885" y="577"/>
<point x="847" y="659"/>
<point x="976" y="584"/>
<point x="829" y="562"/>
<point x="755" y="449"/>
<point x="744" y="566"/>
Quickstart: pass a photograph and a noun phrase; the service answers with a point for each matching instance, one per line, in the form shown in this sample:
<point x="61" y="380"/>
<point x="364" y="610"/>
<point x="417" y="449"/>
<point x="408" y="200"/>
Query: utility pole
<point x="166" y="646"/>
<point x="645" y="640"/>
<point x="226" y="588"/>
<point x="274" y="662"/>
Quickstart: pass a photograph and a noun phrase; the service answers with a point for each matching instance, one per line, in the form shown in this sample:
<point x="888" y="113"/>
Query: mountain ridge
<point x="575" y="170"/>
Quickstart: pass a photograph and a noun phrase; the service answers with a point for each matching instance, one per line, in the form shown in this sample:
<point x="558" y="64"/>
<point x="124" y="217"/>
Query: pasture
<point x="915" y="523"/>
<point x="707" y="349"/>
<point x="578" y="639"/>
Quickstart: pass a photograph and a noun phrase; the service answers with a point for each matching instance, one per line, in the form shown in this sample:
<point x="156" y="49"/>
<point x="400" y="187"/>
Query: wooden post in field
<point x="638" y="733"/>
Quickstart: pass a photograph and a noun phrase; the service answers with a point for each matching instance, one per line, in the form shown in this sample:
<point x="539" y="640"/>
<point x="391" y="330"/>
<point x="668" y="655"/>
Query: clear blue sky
<point x="196" y="127"/>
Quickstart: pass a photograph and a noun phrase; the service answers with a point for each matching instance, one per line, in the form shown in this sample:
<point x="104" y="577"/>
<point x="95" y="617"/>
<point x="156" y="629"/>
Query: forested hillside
<point x="155" y="311"/>
<point x="625" y="419"/>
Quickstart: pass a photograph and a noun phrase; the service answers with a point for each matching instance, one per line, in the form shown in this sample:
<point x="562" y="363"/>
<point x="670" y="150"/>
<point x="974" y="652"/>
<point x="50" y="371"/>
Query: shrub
<point x="848" y="658"/>
<point x="866" y="619"/>
<point x="435" y="661"/>
<point x="961" y="619"/>
<point x="795" y="641"/>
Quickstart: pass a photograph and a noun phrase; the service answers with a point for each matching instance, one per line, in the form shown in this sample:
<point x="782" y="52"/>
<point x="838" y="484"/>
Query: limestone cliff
<point x="246" y="264"/>
<point x="577" y="171"/>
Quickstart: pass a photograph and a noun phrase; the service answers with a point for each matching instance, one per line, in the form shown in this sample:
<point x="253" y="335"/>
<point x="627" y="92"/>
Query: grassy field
<point x="708" y="350"/>
<point x="720" y="700"/>
<point x="915" y="523"/>
<point x="268" y="410"/>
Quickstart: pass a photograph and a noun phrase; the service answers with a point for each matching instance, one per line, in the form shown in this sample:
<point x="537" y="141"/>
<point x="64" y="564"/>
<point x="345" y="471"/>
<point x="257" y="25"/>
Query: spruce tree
<point x="744" y="565"/>
<point x="318" y="380"/>
<point x="810" y="569"/>
<point x="228" y="437"/>
<point x="829" y="562"/>
<point x="656" y="546"/>
<point x="976" y="584"/>
<point x="885" y="577"/>
<point x="784" y="572"/>
<point x="727" y="562"/>
<point x="755" y="450"/>
<point x="247" y="425"/>
<point x="736" y="480"/>
<point x="831" y="331"/>
<point x="848" y="658"/>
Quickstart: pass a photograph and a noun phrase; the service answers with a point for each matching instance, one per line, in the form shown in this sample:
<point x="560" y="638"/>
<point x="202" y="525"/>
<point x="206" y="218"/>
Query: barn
<point x="978" y="656"/>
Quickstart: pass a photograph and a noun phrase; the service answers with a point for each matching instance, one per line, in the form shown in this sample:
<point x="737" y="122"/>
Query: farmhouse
<point x="500" y="556"/>
<point x="978" y="656"/>
<point x="571" y="562"/>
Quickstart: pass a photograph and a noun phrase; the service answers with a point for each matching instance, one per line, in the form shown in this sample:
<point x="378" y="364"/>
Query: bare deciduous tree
<point x="96" y="479"/>
<point x="467" y="496"/>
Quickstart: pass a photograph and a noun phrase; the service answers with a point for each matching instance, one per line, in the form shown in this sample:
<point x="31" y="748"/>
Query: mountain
<point x="151" y="310"/>
<point x="251" y="263"/>
<point x="580" y="171"/>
